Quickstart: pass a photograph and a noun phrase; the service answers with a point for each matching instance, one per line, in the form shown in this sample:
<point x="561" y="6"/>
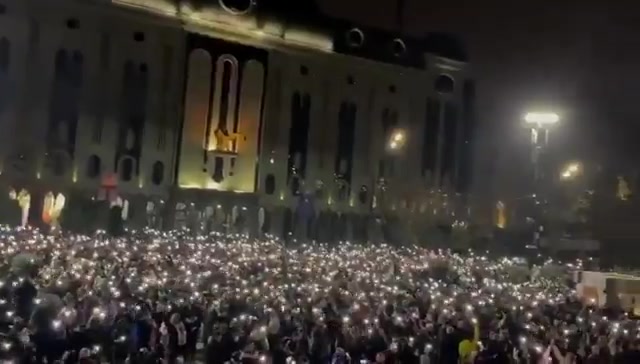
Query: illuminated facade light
<point x="541" y="118"/>
<point x="397" y="140"/>
<point x="571" y="170"/>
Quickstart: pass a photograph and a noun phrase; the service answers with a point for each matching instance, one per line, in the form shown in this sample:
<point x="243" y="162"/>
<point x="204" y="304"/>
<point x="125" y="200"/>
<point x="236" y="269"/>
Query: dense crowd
<point x="152" y="297"/>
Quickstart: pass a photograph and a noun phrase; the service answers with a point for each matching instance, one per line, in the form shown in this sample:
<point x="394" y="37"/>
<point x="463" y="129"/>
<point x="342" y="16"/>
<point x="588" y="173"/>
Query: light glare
<point x="542" y="118"/>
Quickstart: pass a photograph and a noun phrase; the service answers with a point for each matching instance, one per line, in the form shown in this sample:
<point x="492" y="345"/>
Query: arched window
<point x="444" y="84"/>
<point x="270" y="184"/>
<point x="5" y="52"/>
<point x="5" y="57"/>
<point x="225" y="95"/>
<point x="299" y="134"/>
<point x="58" y="164"/>
<point x="295" y="185"/>
<point x="157" y="173"/>
<point x="343" y="190"/>
<point x="218" y="170"/>
<point x="363" y="195"/>
<point x="94" y="167"/>
<point x="345" y="141"/>
<point x="126" y="169"/>
<point x="319" y="189"/>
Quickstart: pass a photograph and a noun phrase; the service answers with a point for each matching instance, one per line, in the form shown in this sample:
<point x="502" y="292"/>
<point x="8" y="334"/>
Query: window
<point x="398" y="48"/>
<point x="232" y="166"/>
<point x="105" y="51"/>
<point x="295" y="186"/>
<point x="270" y="184"/>
<point x="94" y="167"/>
<point x="64" y="107"/>
<point x="355" y="38"/>
<point x="59" y="164"/>
<point x="5" y="58"/>
<point x="343" y="190"/>
<point x="157" y="173"/>
<point x="299" y="134"/>
<point x="126" y="169"/>
<point x="444" y="84"/>
<point x="218" y="170"/>
<point x="450" y="140"/>
<point x="167" y="55"/>
<point x="431" y="128"/>
<point x="319" y="189"/>
<point x="134" y="94"/>
<point x="346" y="137"/>
<point x="237" y="7"/>
<point x="225" y="95"/>
<point x="363" y="195"/>
<point x="138" y="36"/>
<point x="98" y="125"/>
<point x="34" y="37"/>
<point x="5" y="52"/>
<point x="73" y="23"/>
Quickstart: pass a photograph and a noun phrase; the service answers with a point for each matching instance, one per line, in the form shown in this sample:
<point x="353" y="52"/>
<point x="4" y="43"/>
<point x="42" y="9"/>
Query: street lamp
<point x="571" y="171"/>
<point x="541" y="118"/>
<point x="393" y="145"/>
<point x="397" y="140"/>
<point x="539" y="122"/>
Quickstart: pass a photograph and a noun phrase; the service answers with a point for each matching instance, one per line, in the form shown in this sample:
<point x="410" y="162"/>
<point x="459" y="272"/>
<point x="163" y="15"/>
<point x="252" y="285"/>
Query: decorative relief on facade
<point x="223" y="109"/>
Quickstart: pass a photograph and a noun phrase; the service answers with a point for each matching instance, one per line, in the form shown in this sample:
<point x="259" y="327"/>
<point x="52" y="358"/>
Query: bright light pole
<point x="394" y="144"/>
<point x="397" y="140"/>
<point x="539" y="123"/>
<point x="571" y="171"/>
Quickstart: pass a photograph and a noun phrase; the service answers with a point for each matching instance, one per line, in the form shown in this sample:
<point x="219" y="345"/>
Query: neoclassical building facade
<point x="241" y="115"/>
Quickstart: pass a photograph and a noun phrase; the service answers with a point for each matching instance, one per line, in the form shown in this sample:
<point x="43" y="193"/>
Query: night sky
<point x="580" y="58"/>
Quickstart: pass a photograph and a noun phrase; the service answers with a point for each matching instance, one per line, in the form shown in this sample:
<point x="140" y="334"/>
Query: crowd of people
<point x="171" y="297"/>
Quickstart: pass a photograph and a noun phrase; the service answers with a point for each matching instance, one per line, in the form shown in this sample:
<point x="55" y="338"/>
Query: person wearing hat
<point x="467" y="349"/>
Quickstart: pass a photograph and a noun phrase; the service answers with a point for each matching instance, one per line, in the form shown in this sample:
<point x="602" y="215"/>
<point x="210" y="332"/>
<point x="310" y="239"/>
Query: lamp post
<point x="394" y="144"/>
<point x="571" y="171"/>
<point x="539" y="124"/>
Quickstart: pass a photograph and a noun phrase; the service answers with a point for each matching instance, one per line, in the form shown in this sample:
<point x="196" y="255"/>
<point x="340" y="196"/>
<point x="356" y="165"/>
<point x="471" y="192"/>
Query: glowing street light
<point x="541" y="118"/>
<point x="539" y="124"/>
<point x="397" y="140"/>
<point x="571" y="171"/>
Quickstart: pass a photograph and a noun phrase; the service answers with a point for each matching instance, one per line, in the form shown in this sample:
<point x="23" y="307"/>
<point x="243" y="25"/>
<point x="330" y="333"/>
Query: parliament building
<point x="258" y="116"/>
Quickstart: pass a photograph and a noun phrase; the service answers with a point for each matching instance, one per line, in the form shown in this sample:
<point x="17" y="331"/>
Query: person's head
<point x="84" y="353"/>
<point x="175" y="318"/>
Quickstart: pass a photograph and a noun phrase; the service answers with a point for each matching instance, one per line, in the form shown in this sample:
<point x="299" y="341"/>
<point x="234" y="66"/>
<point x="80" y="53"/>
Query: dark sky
<point x="578" y="57"/>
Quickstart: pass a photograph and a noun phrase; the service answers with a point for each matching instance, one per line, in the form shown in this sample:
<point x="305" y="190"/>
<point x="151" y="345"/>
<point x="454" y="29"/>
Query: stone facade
<point x="231" y="114"/>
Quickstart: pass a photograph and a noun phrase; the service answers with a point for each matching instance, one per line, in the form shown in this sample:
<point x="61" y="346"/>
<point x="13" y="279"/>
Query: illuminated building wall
<point x="88" y="91"/>
<point x="222" y="114"/>
<point x="219" y="102"/>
